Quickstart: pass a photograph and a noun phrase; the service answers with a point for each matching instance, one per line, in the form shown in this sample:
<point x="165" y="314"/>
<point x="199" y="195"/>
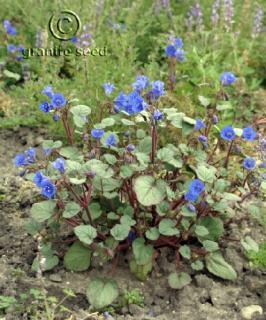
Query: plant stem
<point x="154" y="143"/>
<point x="228" y="154"/>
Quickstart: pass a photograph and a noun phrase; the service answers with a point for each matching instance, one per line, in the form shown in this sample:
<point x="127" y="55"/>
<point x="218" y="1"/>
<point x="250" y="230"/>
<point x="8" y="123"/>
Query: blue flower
<point x="249" y="134"/>
<point x="158" y="115"/>
<point x="141" y="83"/>
<point x="170" y="51"/>
<point x="47" y="151"/>
<point x="204" y="140"/>
<point x="97" y="133"/>
<point x="38" y="178"/>
<point x="135" y="103"/>
<point x="11" y="48"/>
<point x="178" y="43"/>
<point x="21" y="48"/>
<point x="180" y="55"/>
<point x="48" y="91"/>
<point x="20" y="160"/>
<point x="130" y="147"/>
<point x="58" y="100"/>
<point x="74" y="40"/>
<point x="127" y="134"/>
<point x="196" y="186"/>
<point x="31" y="155"/>
<point x="249" y="163"/>
<point x="215" y="119"/>
<point x="191" y="196"/>
<point x="10" y="29"/>
<point x="121" y="101"/>
<point x="228" y="133"/>
<point x="199" y="124"/>
<point x="48" y="188"/>
<point x="132" y="236"/>
<point x="45" y="107"/>
<point x="56" y="117"/>
<point x="59" y="164"/>
<point x="157" y="89"/>
<point x="108" y="88"/>
<point x="227" y="78"/>
<point x="110" y="140"/>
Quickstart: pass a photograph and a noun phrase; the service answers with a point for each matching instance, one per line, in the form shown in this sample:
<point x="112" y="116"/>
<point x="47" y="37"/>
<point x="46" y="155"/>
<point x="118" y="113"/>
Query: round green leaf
<point x="85" y="233"/>
<point x="167" y="227"/>
<point x="179" y="281"/>
<point x="149" y="191"/>
<point x="101" y="292"/>
<point x="71" y="209"/>
<point x="78" y="257"/>
<point x="120" y="231"/>
<point x="42" y="211"/>
<point x="152" y="234"/>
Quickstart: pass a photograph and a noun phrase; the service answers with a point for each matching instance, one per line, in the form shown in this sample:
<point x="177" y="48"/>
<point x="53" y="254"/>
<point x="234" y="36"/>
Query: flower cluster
<point x="228" y="14"/>
<point x="175" y="49"/>
<point x="9" y="28"/>
<point x="26" y="158"/>
<point x="195" y="18"/>
<point x="48" y="188"/>
<point x="57" y="101"/>
<point x="215" y="12"/>
<point x="85" y="39"/>
<point x="196" y="187"/>
<point x="133" y="102"/>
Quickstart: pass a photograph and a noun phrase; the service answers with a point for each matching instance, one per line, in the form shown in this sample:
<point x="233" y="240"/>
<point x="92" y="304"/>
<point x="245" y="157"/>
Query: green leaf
<point x="249" y="244"/>
<point x="152" y="234"/>
<point x="78" y="257"/>
<point x="204" y="101"/>
<point x="120" y="231"/>
<point x="216" y="264"/>
<point x="50" y="144"/>
<point x="185" y="251"/>
<point x="201" y="231"/>
<point x="12" y="75"/>
<point x="214" y="226"/>
<point x="127" y="122"/>
<point x="230" y="196"/>
<point x="70" y="153"/>
<point x="210" y="246"/>
<point x="95" y="210"/>
<point x="106" y="185"/>
<point x="85" y="233"/>
<point x="145" y="145"/>
<point x="142" y="252"/>
<point x="101" y="292"/>
<point x="126" y="171"/>
<point x="111" y="159"/>
<point x="101" y="169"/>
<point x="50" y="262"/>
<point x="71" y="209"/>
<point x="43" y="211"/>
<point x="127" y="220"/>
<point x="167" y="227"/>
<point x="206" y="174"/>
<point x="197" y="265"/>
<point x="80" y="111"/>
<point x="149" y="191"/>
<point x="107" y="122"/>
<point x="179" y="281"/>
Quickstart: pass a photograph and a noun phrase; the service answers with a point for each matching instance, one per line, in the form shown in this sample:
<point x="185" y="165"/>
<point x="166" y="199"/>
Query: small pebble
<point x="249" y="311"/>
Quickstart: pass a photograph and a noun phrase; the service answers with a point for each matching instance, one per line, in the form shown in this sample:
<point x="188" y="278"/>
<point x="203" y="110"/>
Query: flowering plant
<point x="125" y="190"/>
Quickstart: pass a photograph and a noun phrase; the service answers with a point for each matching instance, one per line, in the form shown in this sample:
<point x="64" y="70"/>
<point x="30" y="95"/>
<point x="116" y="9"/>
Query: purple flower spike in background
<point x="249" y="163"/>
<point x="228" y="10"/>
<point x="258" y="22"/>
